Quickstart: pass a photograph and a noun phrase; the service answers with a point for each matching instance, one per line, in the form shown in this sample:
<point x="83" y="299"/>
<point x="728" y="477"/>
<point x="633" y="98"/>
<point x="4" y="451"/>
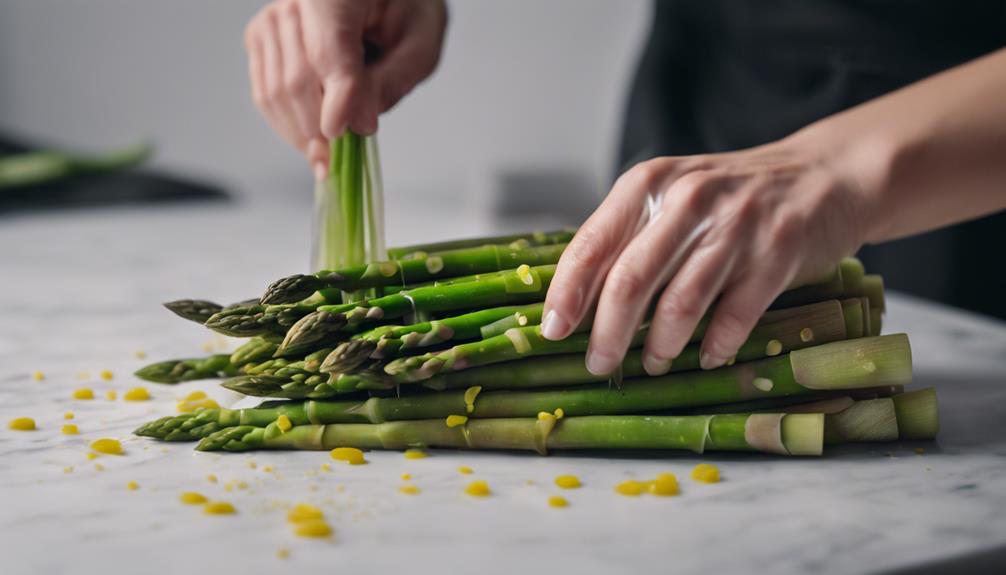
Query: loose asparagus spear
<point x="522" y="285"/>
<point x="41" y="167"/>
<point x="522" y="240"/>
<point x="427" y="268"/>
<point x="852" y="364"/>
<point x="179" y="370"/>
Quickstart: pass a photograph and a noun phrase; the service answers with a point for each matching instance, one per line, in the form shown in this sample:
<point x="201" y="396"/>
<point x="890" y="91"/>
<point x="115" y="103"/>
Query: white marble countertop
<point x="80" y="292"/>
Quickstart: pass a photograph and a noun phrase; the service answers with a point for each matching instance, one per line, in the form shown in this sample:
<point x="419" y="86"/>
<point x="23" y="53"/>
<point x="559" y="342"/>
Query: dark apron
<point x="720" y="75"/>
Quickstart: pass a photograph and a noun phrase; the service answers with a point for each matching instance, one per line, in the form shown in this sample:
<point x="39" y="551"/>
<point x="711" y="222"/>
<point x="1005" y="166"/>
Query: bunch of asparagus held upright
<point x="441" y="346"/>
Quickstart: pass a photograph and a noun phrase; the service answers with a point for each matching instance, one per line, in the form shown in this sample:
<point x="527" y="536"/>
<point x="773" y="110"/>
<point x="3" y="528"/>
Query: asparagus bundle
<point x="477" y="373"/>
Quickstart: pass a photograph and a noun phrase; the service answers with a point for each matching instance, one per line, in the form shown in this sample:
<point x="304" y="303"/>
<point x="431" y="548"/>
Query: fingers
<point x="302" y="88"/>
<point x="646" y="264"/>
<point x="413" y="57"/>
<point x="265" y="61"/>
<point x="333" y="39"/>
<point x="318" y="157"/>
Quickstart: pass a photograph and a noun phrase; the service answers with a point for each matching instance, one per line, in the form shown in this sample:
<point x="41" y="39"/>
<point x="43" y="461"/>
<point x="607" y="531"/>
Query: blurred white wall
<point x="523" y="85"/>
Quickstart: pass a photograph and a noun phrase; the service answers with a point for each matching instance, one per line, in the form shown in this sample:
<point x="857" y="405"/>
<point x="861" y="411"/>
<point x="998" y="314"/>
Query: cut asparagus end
<point x="872" y="287"/>
<point x="876" y="320"/>
<point x="852" y="275"/>
<point x="291" y="289"/>
<point x="196" y="310"/>
<point x="867" y="316"/>
<point x="917" y="414"/>
<point x="803" y="433"/>
<point x="852" y="309"/>
<point x="852" y="364"/>
<point x="871" y="420"/>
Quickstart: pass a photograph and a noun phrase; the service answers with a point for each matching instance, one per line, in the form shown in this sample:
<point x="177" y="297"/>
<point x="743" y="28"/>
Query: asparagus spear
<point x="521" y="285"/>
<point x="426" y="268"/>
<point x="254" y="350"/>
<point x="918" y="417"/>
<point x="521" y="240"/>
<point x="179" y="370"/>
<point x="32" y="168"/>
<point x="852" y="364"/>
<point x="196" y="310"/>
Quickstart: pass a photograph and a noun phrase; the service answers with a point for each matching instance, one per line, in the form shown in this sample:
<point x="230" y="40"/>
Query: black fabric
<point x="721" y="75"/>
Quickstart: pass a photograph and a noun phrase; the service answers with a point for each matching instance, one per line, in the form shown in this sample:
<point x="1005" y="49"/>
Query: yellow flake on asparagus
<point x="706" y="473"/>
<point x="219" y="508"/>
<point x="350" y="455"/>
<point x="83" y="393"/>
<point x="69" y="429"/>
<point x="107" y="375"/>
<point x="456" y="420"/>
<point x="37" y="375"/>
<point x="192" y="498"/>
<point x="557" y="501"/>
<point x="524" y="274"/>
<point x="136" y="394"/>
<point x="415" y="454"/>
<point x="773" y="347"/>
<point x="22" y="424"/>
<point x="806" y="335"/>
<point x="478" y="488"/>
<point x="107" y="445"/>
<point x="568" y="481"/>
<point x="470" y="394"/>
<point x="283" y="423"/>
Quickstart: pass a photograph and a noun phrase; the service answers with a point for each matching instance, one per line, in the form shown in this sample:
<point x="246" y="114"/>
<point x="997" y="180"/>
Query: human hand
<point x="308" y="74"/>
<point x="738" y="226"/>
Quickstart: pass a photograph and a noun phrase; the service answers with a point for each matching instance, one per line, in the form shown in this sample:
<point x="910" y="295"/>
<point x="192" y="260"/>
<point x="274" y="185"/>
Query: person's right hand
<point x="306" y="61"/>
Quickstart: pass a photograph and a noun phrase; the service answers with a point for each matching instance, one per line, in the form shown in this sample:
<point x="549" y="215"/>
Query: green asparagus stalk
<point x="254" y="350"/>
<point x="447" y="264"/>
<point x="918" y="417"/>
<point x="32" y="168"/>
<point x="196" y="310"/>
<point x="179" y="370"/>
<point x="852" y="364"/>
<point x="522" y="285"/>
<point x="873" y="288"/>
<point x="514" y="240"/>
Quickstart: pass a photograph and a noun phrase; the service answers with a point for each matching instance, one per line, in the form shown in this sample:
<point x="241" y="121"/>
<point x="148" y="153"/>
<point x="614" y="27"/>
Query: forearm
<point x="928" y="155"/>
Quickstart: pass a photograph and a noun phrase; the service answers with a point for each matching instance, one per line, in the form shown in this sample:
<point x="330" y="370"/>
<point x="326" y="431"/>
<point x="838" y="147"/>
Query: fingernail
<point x="601" y="363"/>
<point x="655" y="365"/>
<point x="553" y="327"/>
<point x="319" y="172"/>
<point x="707" y="361"/>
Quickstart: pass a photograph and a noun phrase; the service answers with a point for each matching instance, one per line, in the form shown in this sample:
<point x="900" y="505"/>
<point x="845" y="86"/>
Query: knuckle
<point x="588" y="250"/>
<point x="690" y="191"/>
<point x="787" y="230"/>
<point x="646" y="174"/>
<point x="297" y="81"/>
<point x="678" y="305"/>
<point x="626" y="284"/>
<point x="732" y="325"/>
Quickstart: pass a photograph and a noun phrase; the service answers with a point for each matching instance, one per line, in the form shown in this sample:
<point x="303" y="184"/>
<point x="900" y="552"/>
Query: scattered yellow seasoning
<point x="406" y="476"/>
<point x="630" y="488"/>
<point x="415" y="454"/>
<point x="456" y="420"/>
<point x="211" y="478"/>
<point x="219" y="508"/>
<point x="706" y="473"/>
<point x="38" y="375"/>
<point x="252" y="464"/>
<point x="242" y="484"/>
<point x="350" y="455"/>
<point x="107" y="446"/>
<point x="140" y="354"/>
<point x="283" y="423"/>
<point x="282" y="553"/>
<point x="69" y="429"/>
<point x="110" y="395"/>
<point x="188" y="406"/>
<point x="83" y="393"/>
<point x="557" y="501"/>
<point x="666" y="484"/>
<point x="99" y="467"/>
<point x="68" y="469"/>
<point x="192" y="498"/>
<point x="195" y="396"/>
<point x="409" y="490"/>
<point x="304" y="512"/>
<point x="315" y="528"/>
<point x="465" y="470"/>
<point x="68" y="415"/>
<point x="559" y="413"/>
<point x="806" y="335"/>
<point x="568" y="481"/>
<point x="524" y="274"/>
<point x="92" y="455"/>
<point x="478" y="488"/>
<point x="268" y="469"/>
<point x="136" y="394"/>
<point x="326" y="467"/>
<point x="22" y="424"/>
<point x="107" y="375"/>
<point x="132" y="486"/>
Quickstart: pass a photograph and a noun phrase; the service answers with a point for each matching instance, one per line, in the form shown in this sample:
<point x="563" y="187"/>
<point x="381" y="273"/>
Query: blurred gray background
<point x="520" y="122"/>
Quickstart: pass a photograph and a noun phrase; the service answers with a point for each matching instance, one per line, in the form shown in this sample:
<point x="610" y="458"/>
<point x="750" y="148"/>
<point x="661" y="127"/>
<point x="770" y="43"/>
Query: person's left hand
<point x="739" y="226"/>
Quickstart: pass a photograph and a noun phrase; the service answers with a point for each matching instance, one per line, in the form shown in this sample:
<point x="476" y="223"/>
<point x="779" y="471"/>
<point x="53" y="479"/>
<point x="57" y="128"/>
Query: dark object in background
<point x="98" y="189"/>
<point x="721" y="75"/>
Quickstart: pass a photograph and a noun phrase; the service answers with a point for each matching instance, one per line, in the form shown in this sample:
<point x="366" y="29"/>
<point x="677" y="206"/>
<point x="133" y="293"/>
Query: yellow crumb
<point x="83" y="393"/>
<point x="350" y="455"/>
<point x="68" y="469"/>
<point x="666" y="484"/>
<point x="22" y="424"/>
<point x="69" y="429"/>
<point x="283" y="423"/>
<point x="630" y="488"/>
<point x="326" y="467"/>
<point x="37" y="375"/>
<point x="190" y="406"/>
<point x="99" y="467"/>
<point x="132" y="486"/>
<point x="219" y="508"/>
<point x="282" y="553"/>
<point x="107" y="375"/>
<point x="192" y="498"/>
<point x="92" y="455"/>
<point x="303" y="512"/>
<point x="465" y="470"/>
<point x="110" y="395"/>
<point x="415" y="454"/>
<point x="706" y="473"/>
<point x="314" y="528"/>
<point x="107" y="446"/>
<point x="568" y="481"/>
<point x="479" y="488"/>
<point x="140" y="354"/>
<point x="470" y="394"/>
<point x="195" y="396"/>
<point x="773" y="347"/>
<point x="68" y="415"/>
<point x="456" y="420"/>
<point x="557" y="501"/>
<point x="559" y="413"/>
<point x="409" y="490"/>
<point x="406" y="476"/>
<point x="211" y="478"/>
<point x="136" y="394"/>
<point x="268" y="469"/>
<point x="252" y="464"/>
